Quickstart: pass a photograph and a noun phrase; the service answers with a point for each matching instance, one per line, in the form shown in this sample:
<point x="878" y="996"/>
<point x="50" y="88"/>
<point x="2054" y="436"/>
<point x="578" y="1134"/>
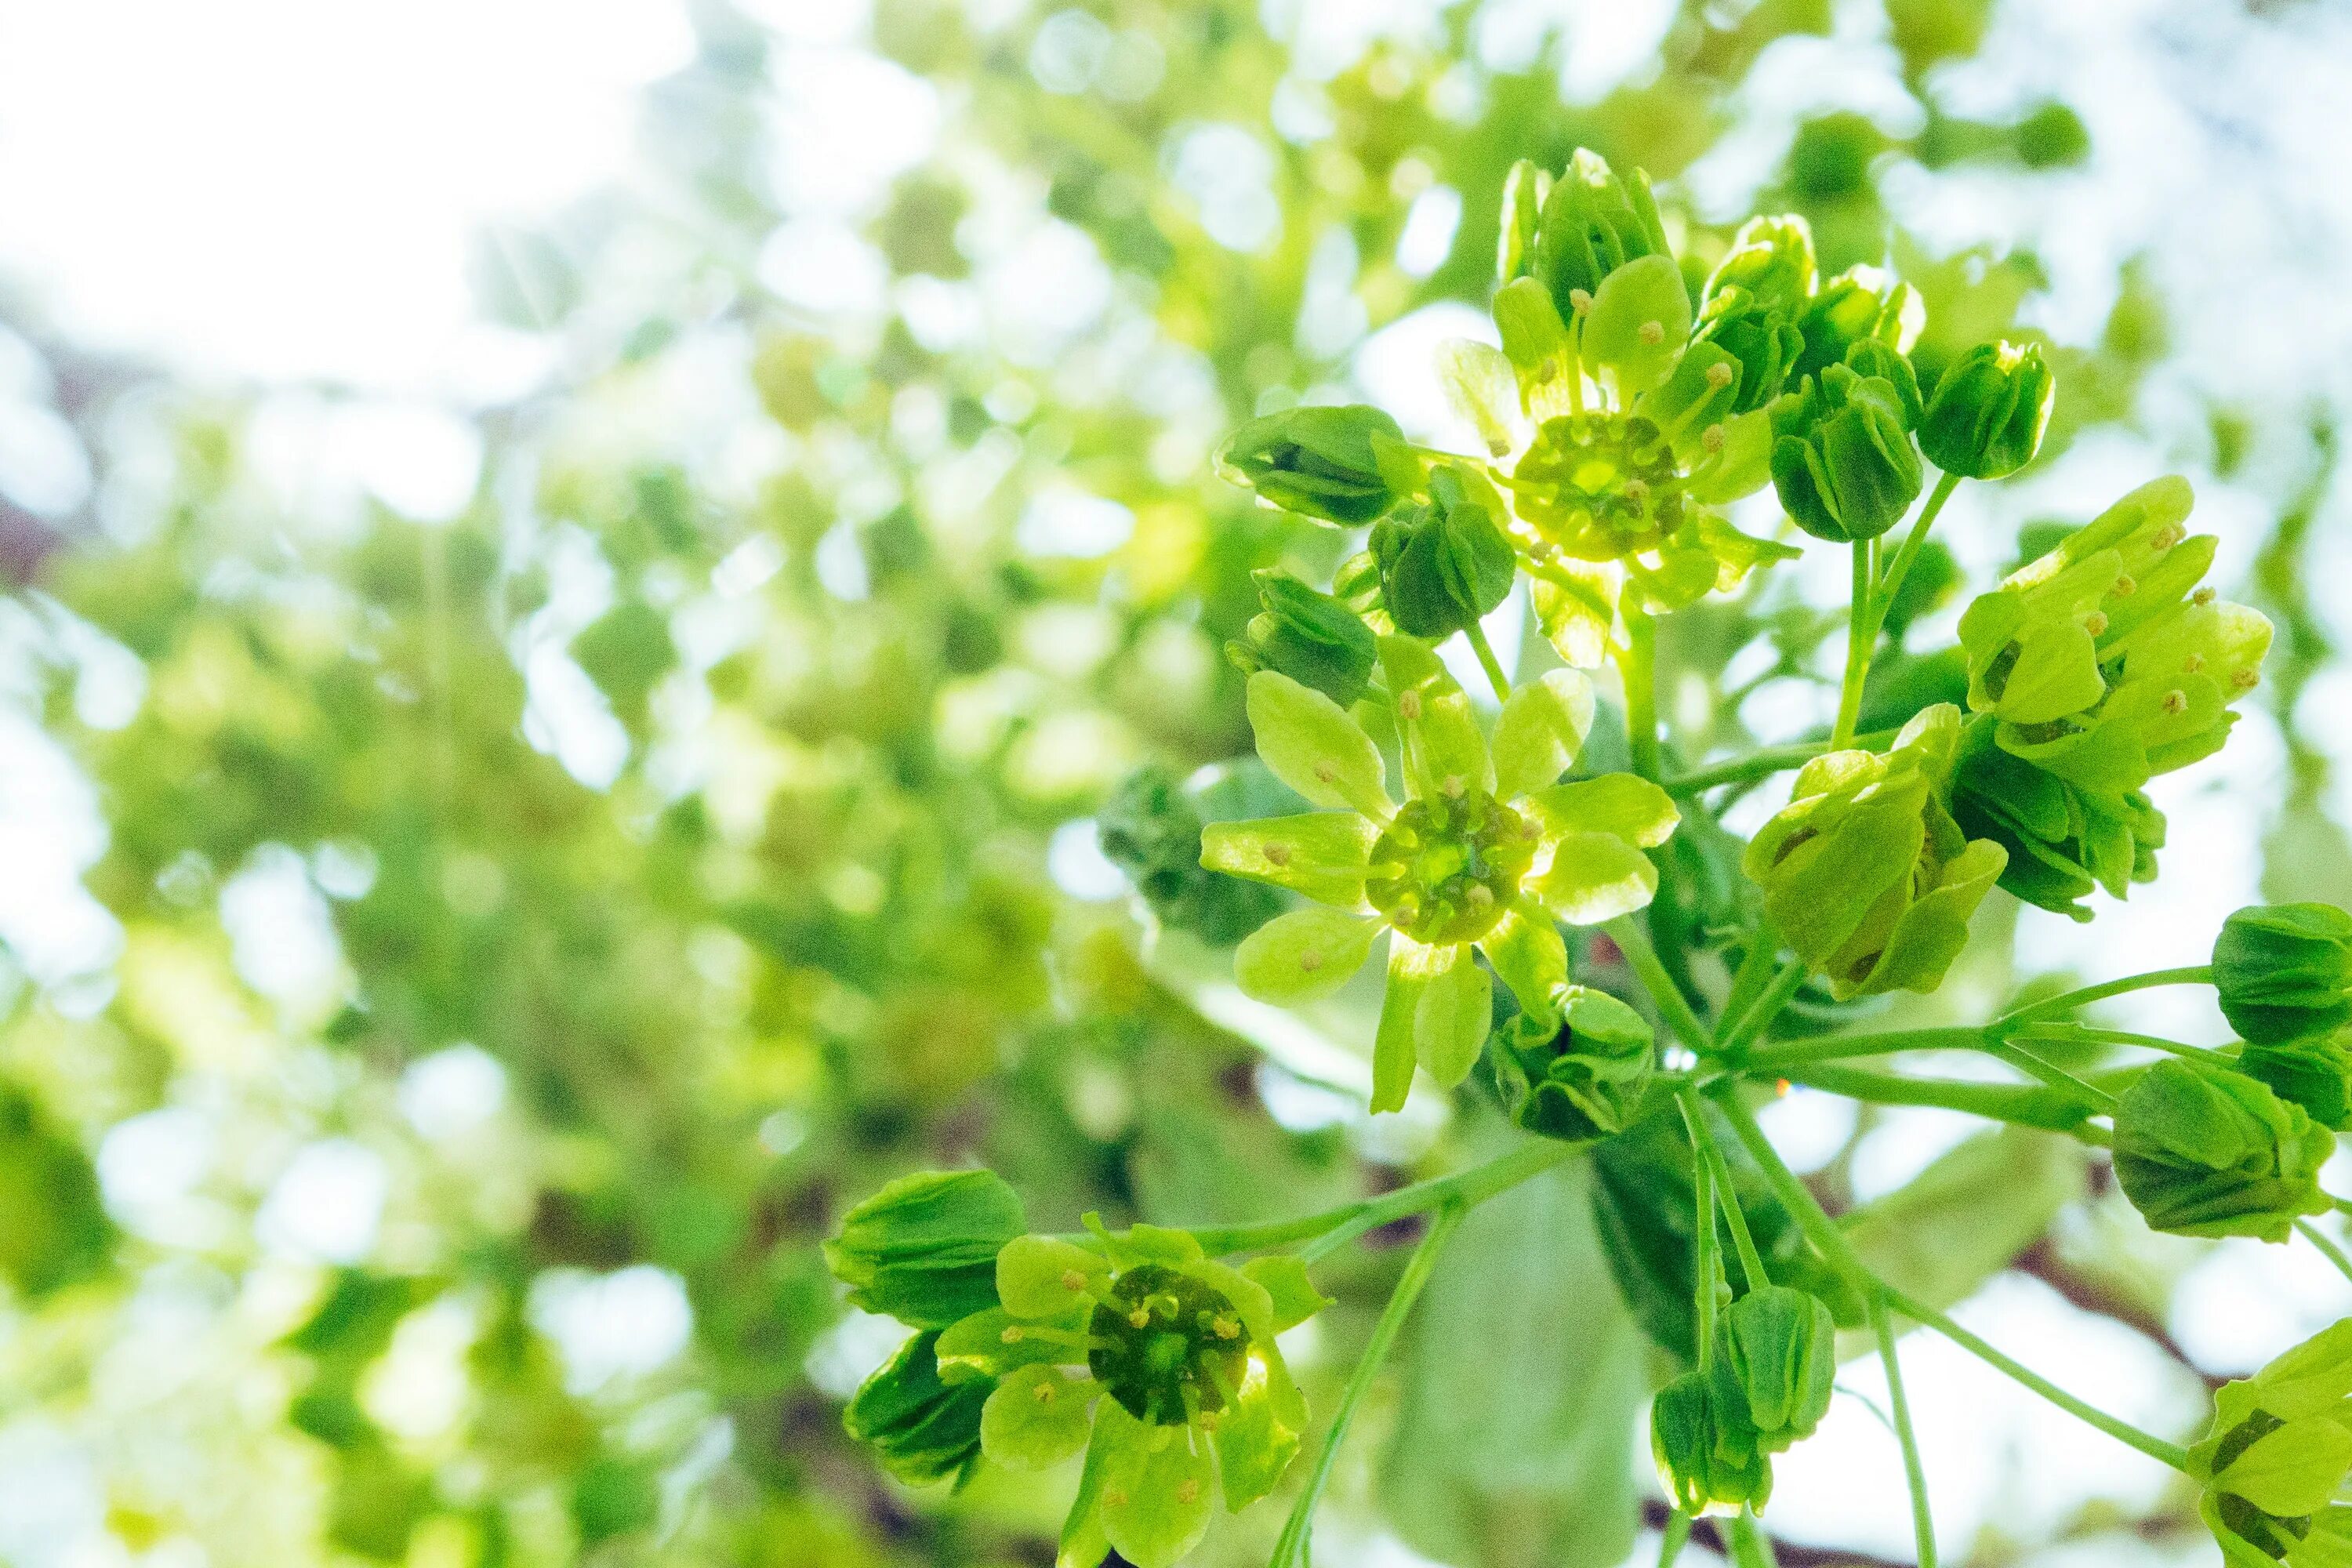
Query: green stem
<point x="1845" y="1047"/>
<point x="1858" y="649"/>
<point x="1768" y="1006"/>
<point x="1626" y="931"/>
<point x="1883" y="599"/>
<point x="1769" y="760"/>
<point x="2318" y="1238"/>
<point x="2196" y="974"/>
<point x="1702" y="1273"/>
<point x="2122" y="1431"/>
<point x="1832" y="1244"/>
<point x="1678" y="1528"/>
<point x="1749" y="983"/>
<point x="2049" y="1072"/>
<point x="1487" y="659"/>
<point x="2085" y="1034"/>
<point x="1923" y="1526"/>
<point x="1470" y="1188"/>
<point x="1638" y="664"/>
<point x="1752" y="1262"/>
<point x="2024" y="1105"/>
<point x="1291" y="1547"/>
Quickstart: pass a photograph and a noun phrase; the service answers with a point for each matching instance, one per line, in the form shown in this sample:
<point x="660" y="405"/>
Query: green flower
<point x="1150" y="830"/>
<point x="1753" y="301"/>
<point x="1158" y="1363"/>
<point x="1578" y="1074"/>
<point x="2284" y="971"/>
<point x="1309" y="636"/>
<point x="1444" y="564"/>
<point x="1841" y="454"/>
<point x="1990" y="410"/>
<point x="1865" y="872"/>
<point x="923" y="1249"/>
<point x="1319" y="462"/>
<point x="1860" y="304"/>
<point x="2273" y="1468"/>
<point x="1592" y="223"/>
<point x="2202" y="1150"/>
<point x="2063" y="841"/>
<point x="921" y="1430"/>
<point x="1775" y="1359"/>
<point x="1708" y="1455"/>
<point x="1488" y="850"/>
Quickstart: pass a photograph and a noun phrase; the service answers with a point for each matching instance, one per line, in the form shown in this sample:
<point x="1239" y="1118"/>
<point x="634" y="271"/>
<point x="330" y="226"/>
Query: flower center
<point x="1600" y="486"/>
<point x="1167" y="1347"/>
<point x="1447" y="868"/>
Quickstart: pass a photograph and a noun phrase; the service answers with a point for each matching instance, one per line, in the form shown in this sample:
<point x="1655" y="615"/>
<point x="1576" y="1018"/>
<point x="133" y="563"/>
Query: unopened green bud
<point x="1578" y="1075"/>
<point x="1990" y="410"/>
<point x="923" y="1249"/>
<point x="1871" y="358"/>
<point x="1706" y="1453"/>
<point x="1524" y="190"/>
<point x="920" y="1428"/>
<point x="1592" y="224"/>
<point x="2202" y="1150"/>
<point x="1861" y="303"/>
<point x="1752" y="303"/>
<point x="1776" y="1360"/>
<point x="2063" y="841"/>
<point x="2314" y="1072"/>
<point x="1842" y="457"/>
<point x="1866" y="871"/>
<point x="1444" y="564"/>
<point x="2284" y="971"/>
<point x="1150" y="830"/>
<point x="1309" y="636"/>
<point x="1320" y="462"/>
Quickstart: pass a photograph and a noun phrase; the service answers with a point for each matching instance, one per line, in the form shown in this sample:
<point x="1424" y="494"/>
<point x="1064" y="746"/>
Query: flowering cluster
<point x="1619" y="411"/>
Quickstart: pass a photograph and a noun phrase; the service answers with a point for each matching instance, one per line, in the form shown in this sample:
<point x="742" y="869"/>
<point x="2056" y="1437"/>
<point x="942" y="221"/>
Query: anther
<point x="2246" y="680"/>
<point x="1310" y="961"/>
<point x="1072" y="1280"/>
<point x="1187" y="1489"/>
<point x="1580" y="300"/>
<point x="1712" y="437"/>
<point x="1207" y="1420"/>
<point x="1719" y="375"/>
<point x="1139" y="1318"/>
<point x="1226" y="1329"/>
<point x="2095" y="623"/>
<point x="1454" y="785"/>
<point x="2202" y="596"/>
<point x="1011" y="1335"/>
<point x="2165" y="538"/>
<point x="2125" y="586"/>
<point x="1637" y="491"/>
<point x="1326" y="772"/>
<point x="1045" y="1394"/>
<point x="1115" y="1497"/>
<point x="1409" y="706"/>
<point x="1277" y="854"/>
<point x="1481" y="897"/>
<point x="1653" y="332"/>
<point x="2192" y="664"/>
<point x="2176" y="703"/>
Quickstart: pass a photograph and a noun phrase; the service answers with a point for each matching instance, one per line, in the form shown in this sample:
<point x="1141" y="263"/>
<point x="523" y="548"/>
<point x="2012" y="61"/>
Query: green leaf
<point x="1514" y="1456"/>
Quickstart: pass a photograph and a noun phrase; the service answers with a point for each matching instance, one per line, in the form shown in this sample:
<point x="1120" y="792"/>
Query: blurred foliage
<point x="629" y="872"/>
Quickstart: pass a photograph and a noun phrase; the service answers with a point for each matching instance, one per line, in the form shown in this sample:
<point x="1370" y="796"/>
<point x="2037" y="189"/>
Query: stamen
<point x="1044" y="1393"/>
<point x="1310" y="961"/>
<point x="2193" y="663"/>
<point x="2176" y="703"/>
<point x="1454" y="784"/>
<point x="2202" y="596"/>
<point x="1188" y="1489"/>
<point x="1012" y="1335"/>
<point x="1580" y="300"/>
<point x="1327" y="773"/>
<point x="1653" y="332"/>
<point x="1226" y="1329"/>
<point x="2165" y="538"/>
<point x="2095" y="623"/>
<point x="1409" y="706"/>
<point x="2246" y="680"/>
<point x="1719" y="375"/>
<point x="1072" y="1280"/>
<point x="1139" y="1318"/>
<point x="1712" y="437"/>
<point x="2125" y="586"/>
<point x="1277" y="854"/>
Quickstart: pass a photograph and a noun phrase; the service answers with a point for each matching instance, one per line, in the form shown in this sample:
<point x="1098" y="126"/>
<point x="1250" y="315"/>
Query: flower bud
<point x="1593" y="223"/>
<point x="1871" y="358"/>
<point x="920" y="1428"/>
<point x="2063" y="841"/>
<point x="2202" y="1150"/>
<point x="1990" y="410"/>
<point x="923" y="1249"/>
<point x="2284" y="971"/>
<point x="2314" y="1072"/>
<point x="1706" y="1453"/>
<point x="1444" y="564"/>
<point x="1578" y="1075"/>
<point x="1776" y="1360"/>
<point x="1842" y="457"/>
<point x="1861" y="304"/>
<point x="1752" y="302"/>
<point x="1865" y="872"/>
<point x="1150" y="830"/>
<point x="2278" y="1455"/>
<point x="1319" y="462"/>
<point x="1309" y="636"/>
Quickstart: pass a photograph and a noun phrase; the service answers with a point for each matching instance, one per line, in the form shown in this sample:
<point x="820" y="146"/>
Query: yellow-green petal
<point x="1542" y="728"/>
<point x="1624" y="805"/>
<point x="1302" y="955"/>
<point x="1595" y="877"/>
<point x="1259" y="1436"/>
<point x="1321" y="854"/>
<point x="1312" y="745"/>
<point x="2291" y="1470"/>
<point x="1441" y="734"/>
<point x="1288" y="1286"/>
<point x="1451" y="1020"/>
<point x="1410" y="963"/>
<point x="1525" y="949"/>
<point x="1044" y="1277"/>
<point x="1156" y="1510"/>
<point x="1035" y="1419"/>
